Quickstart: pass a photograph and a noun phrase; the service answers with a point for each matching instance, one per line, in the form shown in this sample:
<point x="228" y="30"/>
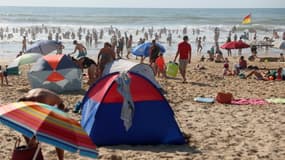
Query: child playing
<point x="227" y="60"/>
<point x="160" y="65"/>
<point x="226" y="70"/>
<point x="4" y="75"/>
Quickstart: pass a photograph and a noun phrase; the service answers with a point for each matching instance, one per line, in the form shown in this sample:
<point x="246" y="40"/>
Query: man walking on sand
<point x="184" y="52"/>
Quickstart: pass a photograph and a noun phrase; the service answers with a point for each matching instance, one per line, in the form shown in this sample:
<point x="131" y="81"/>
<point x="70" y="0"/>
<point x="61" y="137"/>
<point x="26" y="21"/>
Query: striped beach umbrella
<point x="57" y="73"/>
<point x="49" y="125"/>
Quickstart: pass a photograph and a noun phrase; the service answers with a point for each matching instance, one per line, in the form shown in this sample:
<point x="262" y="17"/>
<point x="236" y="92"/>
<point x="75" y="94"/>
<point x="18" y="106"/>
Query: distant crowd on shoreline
<point x="92" y="36"/>
<point x="120" y="44"/>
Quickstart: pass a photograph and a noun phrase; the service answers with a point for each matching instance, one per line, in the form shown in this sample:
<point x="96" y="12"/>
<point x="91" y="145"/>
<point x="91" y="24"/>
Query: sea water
<point x="264" y="21"/>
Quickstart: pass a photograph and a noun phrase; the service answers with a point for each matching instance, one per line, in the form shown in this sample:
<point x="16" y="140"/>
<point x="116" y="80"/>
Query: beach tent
<point x="55" y="72"/>
<point x="122" y="65"/>
<point x="153" y="120"/>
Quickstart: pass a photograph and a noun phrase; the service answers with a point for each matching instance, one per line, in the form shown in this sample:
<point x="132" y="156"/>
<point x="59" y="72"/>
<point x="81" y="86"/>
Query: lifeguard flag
<point x="246" y="19"/>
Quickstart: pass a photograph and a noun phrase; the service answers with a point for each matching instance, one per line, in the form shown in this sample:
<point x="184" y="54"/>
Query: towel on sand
<point x="247" y="101"/>
<point x="128" y="108"/>
<point x="204" y="100"/>
<point x="276" y="100"/>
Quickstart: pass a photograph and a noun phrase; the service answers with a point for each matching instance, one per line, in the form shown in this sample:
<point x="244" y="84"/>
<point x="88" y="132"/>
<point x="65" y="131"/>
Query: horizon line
<point x="107" y="7"/>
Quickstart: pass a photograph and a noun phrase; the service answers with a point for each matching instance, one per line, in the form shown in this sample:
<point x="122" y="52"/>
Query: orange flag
<point x="246" y="19"/>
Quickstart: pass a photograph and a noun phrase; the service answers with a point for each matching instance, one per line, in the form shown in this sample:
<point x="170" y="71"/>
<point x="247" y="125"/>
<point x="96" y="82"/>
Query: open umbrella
<point x="143" y="49"/>
<point x="49" y="125"/>
<point x="279" y="44"/>
<point x="43" y="46"/>
<point x="13" y="67"/>
<point x="235" y="45"/>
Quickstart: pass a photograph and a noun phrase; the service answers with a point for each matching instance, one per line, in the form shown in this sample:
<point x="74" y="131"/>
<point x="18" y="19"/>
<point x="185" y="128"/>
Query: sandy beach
<point x="214" y="131"/>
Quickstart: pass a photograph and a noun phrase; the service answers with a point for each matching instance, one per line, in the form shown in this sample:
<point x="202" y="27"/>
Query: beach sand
<point x="215" y="131"/>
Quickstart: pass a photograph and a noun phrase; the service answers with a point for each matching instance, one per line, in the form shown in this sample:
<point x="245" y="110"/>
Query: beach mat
<point x="204" y="100"/>
<point x="248" y="101"/>
<point x="276" y="100"/>
<point x="269" y="59"/>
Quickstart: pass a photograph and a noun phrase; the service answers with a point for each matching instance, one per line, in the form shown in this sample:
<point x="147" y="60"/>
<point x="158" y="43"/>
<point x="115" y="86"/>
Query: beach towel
<point x="269" y="59"/>
<point x="128" y="107"/>
<point x="276" y="100"/>
<point x="204" y="100"/>
<point x="248" y="101"/>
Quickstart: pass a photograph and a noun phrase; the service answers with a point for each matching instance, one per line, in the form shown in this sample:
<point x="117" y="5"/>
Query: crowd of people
<point x="156" y="61"/>
<point x="115" y="48"/>
<point x="120" y="44"/>
<point x="240" y="68"/>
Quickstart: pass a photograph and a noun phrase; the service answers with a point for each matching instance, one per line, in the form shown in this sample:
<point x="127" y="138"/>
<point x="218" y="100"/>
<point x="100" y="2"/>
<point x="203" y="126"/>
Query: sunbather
<point x="259" y="75"/>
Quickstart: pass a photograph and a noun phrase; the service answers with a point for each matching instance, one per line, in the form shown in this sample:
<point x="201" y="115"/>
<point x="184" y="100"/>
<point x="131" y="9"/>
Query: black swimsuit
<point x="88" y="62"/>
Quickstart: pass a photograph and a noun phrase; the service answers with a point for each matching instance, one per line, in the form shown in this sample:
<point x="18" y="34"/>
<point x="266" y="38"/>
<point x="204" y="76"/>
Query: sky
<point x="149" y="3"/>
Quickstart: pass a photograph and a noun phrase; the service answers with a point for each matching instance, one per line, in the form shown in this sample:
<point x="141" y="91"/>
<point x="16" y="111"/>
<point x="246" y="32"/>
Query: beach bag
<point x="172" y="69"/>
<point x="224" y="98"/>
<point x="24" y="152"/>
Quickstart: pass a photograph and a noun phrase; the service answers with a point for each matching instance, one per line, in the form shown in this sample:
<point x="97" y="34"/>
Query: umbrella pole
<point x="37" y="151"/>
<point x="41" y="49"/>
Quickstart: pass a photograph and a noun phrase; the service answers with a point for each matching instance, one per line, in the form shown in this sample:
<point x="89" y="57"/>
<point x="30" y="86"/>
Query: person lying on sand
<point x="199" y="67"/>
<point x="259" y="75"/>
<point x="48" y="97"/>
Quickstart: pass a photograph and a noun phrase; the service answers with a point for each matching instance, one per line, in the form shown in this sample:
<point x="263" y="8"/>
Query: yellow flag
<point x="246" y="19"/>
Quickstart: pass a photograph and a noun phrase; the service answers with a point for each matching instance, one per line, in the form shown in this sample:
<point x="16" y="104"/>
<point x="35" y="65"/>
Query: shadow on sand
<point x="158" y="148"/>
<point x="79" y="92"/>
<point x="201" y="84"/>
